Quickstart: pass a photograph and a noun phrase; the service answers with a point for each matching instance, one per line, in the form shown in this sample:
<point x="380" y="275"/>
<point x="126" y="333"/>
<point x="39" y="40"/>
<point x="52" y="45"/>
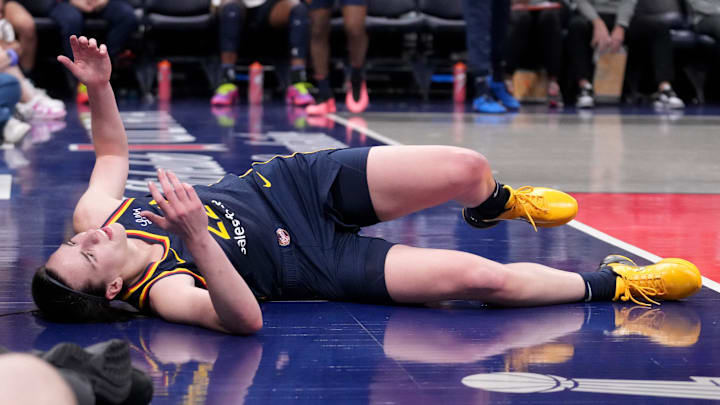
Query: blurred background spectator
<point x="538" y="25"/>
<point x="354" y="13"/>
<point x="259" y="16"/>
<point x="24" y="37"/>
<point x="486" y="31"/>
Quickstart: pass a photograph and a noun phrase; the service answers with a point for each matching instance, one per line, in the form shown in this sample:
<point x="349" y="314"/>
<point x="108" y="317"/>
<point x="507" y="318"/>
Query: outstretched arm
<point x="228" y="305"/>
<point x="91" y="66"/>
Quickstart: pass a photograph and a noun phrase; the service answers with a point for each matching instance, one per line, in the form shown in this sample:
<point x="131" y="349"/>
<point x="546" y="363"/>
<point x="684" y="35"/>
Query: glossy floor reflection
<point x="341" y="353"/>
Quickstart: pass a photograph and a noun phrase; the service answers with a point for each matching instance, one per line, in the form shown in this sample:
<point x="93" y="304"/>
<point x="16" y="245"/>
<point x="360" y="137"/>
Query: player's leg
<point x="418" y="275"/>
<point x="405" y="179"/>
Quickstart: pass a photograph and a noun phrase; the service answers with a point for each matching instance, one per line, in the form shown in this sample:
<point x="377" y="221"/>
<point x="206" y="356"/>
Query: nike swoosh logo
<point x="497" y="188"/>
<point x="267" y="183"/>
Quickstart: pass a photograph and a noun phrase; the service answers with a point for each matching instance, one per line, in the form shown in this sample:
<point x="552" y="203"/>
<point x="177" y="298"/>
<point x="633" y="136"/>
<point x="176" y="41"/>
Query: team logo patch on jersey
<point x="283" y="237"/>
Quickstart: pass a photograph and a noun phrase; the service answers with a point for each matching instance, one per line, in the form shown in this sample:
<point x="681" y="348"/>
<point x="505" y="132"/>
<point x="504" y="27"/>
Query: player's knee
<point x="466" y="168"/>
<point x="484" y="278"/>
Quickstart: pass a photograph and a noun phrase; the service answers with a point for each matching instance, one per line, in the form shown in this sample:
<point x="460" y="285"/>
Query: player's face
<point x="92" y="257"/>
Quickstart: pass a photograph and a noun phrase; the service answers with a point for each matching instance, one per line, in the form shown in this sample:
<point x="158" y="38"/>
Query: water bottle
<point x="164" y="80"/>
<point x="255" y="83"/>
<point x="459" y="82"/>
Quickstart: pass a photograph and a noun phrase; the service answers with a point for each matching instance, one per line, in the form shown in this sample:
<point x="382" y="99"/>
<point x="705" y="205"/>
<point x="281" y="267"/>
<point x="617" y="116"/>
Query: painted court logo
<point x="529" y="383"/>
<point x="283" y="237"/>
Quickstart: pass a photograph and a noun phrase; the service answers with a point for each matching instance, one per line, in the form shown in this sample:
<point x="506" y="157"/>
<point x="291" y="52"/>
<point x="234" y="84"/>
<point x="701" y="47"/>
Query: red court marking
<point x="87" y="147"/>
<point x="668" y="225"/>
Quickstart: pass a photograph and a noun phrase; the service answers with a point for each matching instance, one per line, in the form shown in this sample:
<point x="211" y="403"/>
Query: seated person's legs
<point x="354" y="12"/>
<point x="231" y="19"/>
<point x="24" y="26"/>
<point x="550" y="28"/>
<point x="70" y="21"/>
<point x="479" y="22"/>
<point x="293" y="16"/>
<point x="12" y="130"/>
<point x="122" y="23"/>
<point x="320" y="12"/>
<point x="654" y="36"/>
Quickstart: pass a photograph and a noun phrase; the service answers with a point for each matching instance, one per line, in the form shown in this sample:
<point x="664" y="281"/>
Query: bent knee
<point x="466" y="168"/>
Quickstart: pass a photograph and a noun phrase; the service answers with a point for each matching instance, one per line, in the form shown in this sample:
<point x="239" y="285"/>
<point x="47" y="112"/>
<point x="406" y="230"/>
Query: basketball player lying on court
<point x="287" y="229"/>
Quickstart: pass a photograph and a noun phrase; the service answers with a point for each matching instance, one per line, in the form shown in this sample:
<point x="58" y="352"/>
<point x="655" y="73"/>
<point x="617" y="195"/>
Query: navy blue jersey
<point x="238" y="220"/>
<point x="278" y="227"/>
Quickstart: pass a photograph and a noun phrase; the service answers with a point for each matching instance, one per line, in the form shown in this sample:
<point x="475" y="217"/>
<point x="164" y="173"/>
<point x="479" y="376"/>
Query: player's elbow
<point x="255" y="325"/>
<point x="247" y="326"/>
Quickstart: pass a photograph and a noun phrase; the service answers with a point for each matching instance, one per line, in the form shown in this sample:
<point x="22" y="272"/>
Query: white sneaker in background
<point x="14" y="131"/>
<point x="666" y="98"/>
<point x="585" y="98"/>
<point x="41" y="107"/>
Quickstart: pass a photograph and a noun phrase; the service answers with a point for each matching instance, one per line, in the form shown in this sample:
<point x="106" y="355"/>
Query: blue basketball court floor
<point x="648" y="184"/>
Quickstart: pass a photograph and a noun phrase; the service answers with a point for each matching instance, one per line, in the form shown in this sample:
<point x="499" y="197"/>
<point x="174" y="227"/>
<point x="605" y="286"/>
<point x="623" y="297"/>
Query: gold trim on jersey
<point x="121" y="210"/>
<point x="151" y="269"/>
<point x="177" y="270"/>
<point x="266" y="182"/>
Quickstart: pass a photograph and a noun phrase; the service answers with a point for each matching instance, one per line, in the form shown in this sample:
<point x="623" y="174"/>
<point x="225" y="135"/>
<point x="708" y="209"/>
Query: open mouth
<point x="108" y="232"/>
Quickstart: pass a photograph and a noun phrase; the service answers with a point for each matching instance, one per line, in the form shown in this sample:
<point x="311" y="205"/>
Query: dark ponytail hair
<point x="60" y="303"/>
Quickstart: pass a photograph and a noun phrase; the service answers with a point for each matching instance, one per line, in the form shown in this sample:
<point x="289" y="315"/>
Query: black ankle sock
<point x="498" y="76"/>
<point x="324" y="90"/>
<point x="493" y="206"/>
<point x="357" y="75"/>
<point x="228" y="73"/>
<point x="481" y="86"/>
<point x="298" y="75"/>
<point x="599" y="285"/>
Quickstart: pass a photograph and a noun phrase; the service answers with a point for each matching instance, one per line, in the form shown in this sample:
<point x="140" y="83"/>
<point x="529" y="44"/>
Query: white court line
<point x="5" y="186"/>
<point x="631" y="248"/>
<point x="575" y="224"/>
<point x="369" y="132"/>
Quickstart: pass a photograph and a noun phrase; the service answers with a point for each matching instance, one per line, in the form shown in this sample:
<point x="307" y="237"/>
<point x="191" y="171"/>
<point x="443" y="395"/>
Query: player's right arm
<point x="91" y="66"/>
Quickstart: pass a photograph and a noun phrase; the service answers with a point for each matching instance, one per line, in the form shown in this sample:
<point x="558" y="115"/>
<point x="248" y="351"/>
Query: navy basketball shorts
<point x="350" y="205"/>
<point x="316" y="4"/>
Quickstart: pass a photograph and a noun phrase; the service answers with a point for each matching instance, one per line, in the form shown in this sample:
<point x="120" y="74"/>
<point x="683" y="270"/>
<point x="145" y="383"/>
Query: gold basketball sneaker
<point x="540" y="206"/>
<point x="668" y="279"/>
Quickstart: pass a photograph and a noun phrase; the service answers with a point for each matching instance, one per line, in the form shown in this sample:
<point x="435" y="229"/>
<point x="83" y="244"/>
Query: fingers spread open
<point x="164" y="206"/>
<point x="192" y="195"/>
<point x="180" y="191"/>
<point x="168" y="189"/>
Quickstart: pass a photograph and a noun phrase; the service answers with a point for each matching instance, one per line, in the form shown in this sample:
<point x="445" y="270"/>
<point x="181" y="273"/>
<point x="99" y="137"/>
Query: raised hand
<point x="183" y="212"/>
<point x="91" y="63"/>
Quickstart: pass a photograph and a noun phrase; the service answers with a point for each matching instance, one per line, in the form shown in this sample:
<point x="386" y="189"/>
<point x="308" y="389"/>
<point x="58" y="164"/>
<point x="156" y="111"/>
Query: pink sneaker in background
<point x="226" y="94"/>
<point x="299" y="95"/>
